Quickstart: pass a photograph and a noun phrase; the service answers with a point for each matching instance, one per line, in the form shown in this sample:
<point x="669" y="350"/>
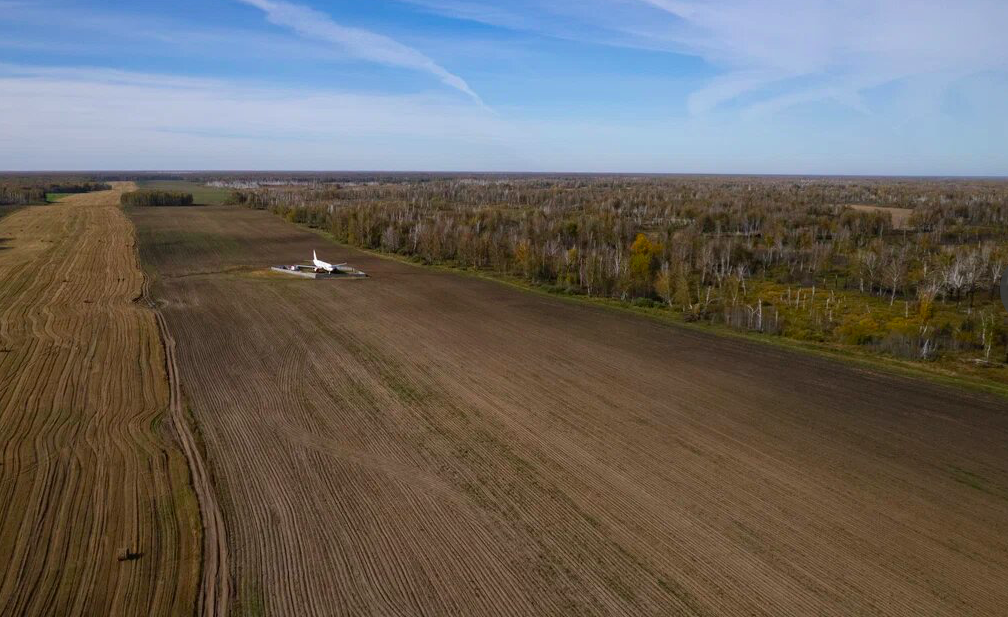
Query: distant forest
<point x="906" y="267"/>
<point x="32" y="189"/>
<point x="156" y="197"/>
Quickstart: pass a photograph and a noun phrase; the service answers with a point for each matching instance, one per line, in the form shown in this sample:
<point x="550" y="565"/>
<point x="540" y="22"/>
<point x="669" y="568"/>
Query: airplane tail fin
<point x="314" y="256"/>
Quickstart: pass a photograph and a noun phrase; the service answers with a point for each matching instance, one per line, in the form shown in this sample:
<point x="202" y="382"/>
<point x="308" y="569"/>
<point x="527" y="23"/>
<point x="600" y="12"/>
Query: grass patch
<point x="250" y="600"/>
<point x="973" y="480"/>
<point x="203" y="195"/>
<point x="52" y="198"/>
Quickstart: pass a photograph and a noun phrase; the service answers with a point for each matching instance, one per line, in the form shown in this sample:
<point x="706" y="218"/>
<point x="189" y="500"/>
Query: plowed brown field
<point x="426" y="443"/>
<point x="87" y="467"/>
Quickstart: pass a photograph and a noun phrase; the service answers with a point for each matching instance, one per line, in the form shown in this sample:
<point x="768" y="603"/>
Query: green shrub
<point x="860" y="330"/>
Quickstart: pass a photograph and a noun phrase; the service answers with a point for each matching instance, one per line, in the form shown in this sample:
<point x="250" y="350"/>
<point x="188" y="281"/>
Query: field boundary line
<point x="214" y="594"/>
<point x="215" y="583"/>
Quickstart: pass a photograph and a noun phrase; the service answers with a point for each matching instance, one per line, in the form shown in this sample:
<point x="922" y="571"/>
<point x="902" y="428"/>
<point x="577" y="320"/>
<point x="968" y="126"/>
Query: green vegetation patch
<point x="974" y="480"/>
<point x="156" y="197"/>
<point x="202" y="194"/>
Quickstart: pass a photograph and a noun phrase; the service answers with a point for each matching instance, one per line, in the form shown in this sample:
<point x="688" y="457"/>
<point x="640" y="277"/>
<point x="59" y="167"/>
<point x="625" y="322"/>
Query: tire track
<point x="214" y="593"/>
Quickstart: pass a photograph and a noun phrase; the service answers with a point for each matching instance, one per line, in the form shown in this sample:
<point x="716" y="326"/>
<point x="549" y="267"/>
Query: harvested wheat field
<point x="426" y="443"/>
<point x="88" y="470"/>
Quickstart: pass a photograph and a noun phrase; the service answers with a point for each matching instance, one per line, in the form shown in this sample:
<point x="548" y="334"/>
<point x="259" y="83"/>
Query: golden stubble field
<point x="88" y="466"/>
<point x="427" y="443"/>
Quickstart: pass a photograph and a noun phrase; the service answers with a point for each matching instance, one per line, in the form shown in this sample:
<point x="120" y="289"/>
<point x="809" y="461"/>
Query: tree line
<point x="25" y="190"/>
<point x="784" y="256"/>
<point x="156" y="197"/>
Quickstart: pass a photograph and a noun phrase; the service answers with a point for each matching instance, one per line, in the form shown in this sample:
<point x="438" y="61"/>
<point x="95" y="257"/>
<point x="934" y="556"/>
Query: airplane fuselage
<point x="323" y="266"/>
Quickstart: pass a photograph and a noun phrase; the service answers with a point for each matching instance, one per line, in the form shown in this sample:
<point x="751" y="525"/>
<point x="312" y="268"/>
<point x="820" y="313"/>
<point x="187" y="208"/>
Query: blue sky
<point x="729" y="86"/>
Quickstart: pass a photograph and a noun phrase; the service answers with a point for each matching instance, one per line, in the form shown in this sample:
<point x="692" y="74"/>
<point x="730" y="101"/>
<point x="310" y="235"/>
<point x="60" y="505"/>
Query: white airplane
<point x="322" y="265"/>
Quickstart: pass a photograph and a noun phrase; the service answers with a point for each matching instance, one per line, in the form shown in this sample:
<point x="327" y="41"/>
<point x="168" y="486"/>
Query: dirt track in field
<point x="426" y="443"/>
<point x="215" y="583"/>
<point x="88" y="470"/>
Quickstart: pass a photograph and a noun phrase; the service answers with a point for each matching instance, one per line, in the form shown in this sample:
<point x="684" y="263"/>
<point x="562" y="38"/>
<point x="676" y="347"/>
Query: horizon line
<point x="447" y="172"/>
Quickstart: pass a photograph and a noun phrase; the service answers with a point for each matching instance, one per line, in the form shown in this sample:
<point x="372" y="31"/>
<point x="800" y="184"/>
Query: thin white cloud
<point x="727" y="87"/>
<point x="92" y="32"/>
<point x="594" y="21"/>
<point x="848" y="46"/>
<point x="363" y="44"/>
<point x="113" y="119"/>
<point x="800" y="36"/>
<point x="772" y="54"/>
<point x="204" y="104"/>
